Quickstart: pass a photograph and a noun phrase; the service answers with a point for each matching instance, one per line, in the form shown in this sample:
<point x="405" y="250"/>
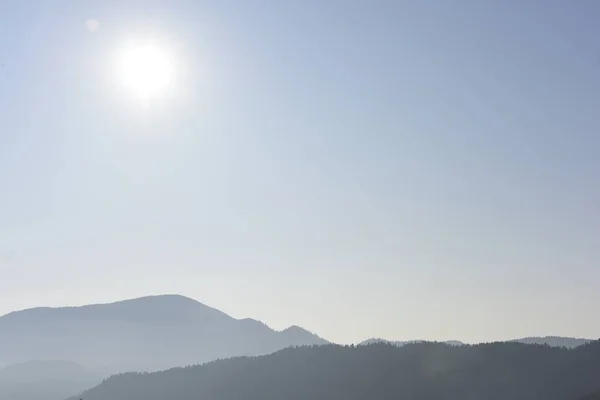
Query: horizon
<point x="374" y="338"/>
<point x="403" y="170"/>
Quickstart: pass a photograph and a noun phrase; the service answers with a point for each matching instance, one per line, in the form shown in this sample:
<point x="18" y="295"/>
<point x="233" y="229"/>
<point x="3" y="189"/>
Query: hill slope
<point x="148" y="333"/>
<point x="422" y="371"/>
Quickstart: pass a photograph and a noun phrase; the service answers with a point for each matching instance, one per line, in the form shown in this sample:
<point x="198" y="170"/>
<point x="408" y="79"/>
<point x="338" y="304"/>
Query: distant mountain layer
<point x="405" y="342"/>
<point x="160" y="332"/>
<point x="42" y="370"/>
<point x="420" y="371"/>
<point x="149" y="333"/>
<point x="553" y="341"/>
<point x="45" y="380"/>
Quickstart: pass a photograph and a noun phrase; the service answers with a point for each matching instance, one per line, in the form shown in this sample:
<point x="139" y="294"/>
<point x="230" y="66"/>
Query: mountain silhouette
<point x="419" y="371"/>
<point x="148" y="333"/>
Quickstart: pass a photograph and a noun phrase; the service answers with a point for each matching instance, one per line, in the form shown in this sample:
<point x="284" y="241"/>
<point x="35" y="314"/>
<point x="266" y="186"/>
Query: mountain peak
<point x="173" y="296"/>
<point x="296" y="334"/>
<point x="294" y="328"/>
<point x="164" y="300"/>
<point x="141" y="308"/>
<point x="151" y="332"/>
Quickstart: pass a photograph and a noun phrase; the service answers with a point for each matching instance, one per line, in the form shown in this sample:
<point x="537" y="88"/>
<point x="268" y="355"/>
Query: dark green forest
<point x="422" y="371"/>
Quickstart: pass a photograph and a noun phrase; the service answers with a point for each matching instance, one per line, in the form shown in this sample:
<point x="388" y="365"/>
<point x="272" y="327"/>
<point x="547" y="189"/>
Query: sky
<point x="395" y="169"/>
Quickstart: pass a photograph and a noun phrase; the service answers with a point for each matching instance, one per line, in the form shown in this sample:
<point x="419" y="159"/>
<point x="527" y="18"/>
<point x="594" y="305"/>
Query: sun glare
<point x="146" y="70"/>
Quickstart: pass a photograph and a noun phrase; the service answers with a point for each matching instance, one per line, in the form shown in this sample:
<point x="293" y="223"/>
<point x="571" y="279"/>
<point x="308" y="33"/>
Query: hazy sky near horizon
<point x="398" y="169"/>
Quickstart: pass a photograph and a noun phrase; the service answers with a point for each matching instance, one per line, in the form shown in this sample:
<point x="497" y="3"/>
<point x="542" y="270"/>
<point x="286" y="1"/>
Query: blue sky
<point x="400" y="169"/>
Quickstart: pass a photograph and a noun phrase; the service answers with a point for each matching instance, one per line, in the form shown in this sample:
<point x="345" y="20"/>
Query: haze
<point x="395" y="169"/>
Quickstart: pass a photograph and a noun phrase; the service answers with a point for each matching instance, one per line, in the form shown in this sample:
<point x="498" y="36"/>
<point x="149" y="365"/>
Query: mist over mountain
<point x="75" y="348"/>
<point x="418" y="371"/>
<point x="45" y="380"/>
<point x="43" y="370"/>
<point x="149" y="333"/>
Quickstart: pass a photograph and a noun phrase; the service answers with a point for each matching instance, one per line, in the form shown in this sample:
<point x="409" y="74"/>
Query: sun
<point x="146" y="70"/>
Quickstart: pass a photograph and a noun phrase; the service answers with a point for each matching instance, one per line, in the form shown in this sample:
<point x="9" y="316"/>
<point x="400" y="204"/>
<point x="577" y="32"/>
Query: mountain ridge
<point x="419" y="371"/>
<point x="150" y="333"/>
<point x="553" y="341"/>
<point x="176" y="303"/>
<point x="145" y="333"/>
<point x="405" y="342"/>
<point x="156" y="299"/>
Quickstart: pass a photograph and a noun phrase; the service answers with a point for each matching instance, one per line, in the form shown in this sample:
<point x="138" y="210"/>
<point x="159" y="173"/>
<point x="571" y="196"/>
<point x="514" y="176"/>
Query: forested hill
<point x="422" y="371"/>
